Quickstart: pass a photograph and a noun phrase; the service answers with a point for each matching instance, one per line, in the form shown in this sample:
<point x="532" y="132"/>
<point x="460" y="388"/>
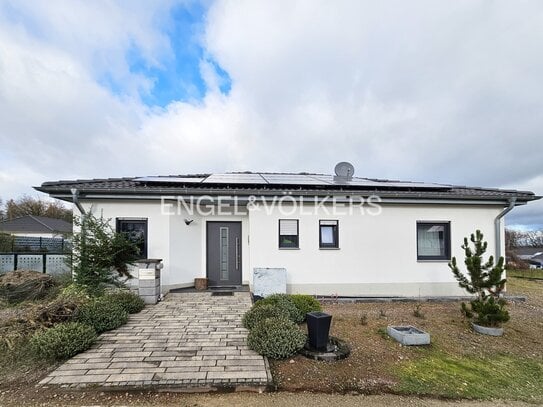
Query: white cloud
<point x="411" y="90"/>
<point x="531" y="214"/>
<point x="98" y="34"/>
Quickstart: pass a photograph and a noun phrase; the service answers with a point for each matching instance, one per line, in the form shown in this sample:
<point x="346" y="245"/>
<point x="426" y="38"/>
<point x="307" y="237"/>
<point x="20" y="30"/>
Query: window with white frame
<point x="433" y="241"/>
<point x="288" y="234"/>
<point x="329" y="234"/>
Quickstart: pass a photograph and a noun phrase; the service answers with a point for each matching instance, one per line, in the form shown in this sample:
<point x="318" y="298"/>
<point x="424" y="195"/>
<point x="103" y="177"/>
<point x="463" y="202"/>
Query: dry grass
<point x="377" y="362"/>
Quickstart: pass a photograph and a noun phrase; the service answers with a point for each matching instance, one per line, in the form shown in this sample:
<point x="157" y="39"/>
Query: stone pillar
<point x="149" y="280"/>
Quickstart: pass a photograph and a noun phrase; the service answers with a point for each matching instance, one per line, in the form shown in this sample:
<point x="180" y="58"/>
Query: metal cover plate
<point x="147" y="274"/>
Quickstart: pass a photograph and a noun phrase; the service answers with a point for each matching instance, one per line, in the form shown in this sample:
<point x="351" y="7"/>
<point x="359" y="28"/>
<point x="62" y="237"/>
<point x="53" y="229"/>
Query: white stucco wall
<point x="377" y="254"/>
<point x="181" y="247"/>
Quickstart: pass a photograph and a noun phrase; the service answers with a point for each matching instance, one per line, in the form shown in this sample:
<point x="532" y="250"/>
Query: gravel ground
<point x="237" y="399"/>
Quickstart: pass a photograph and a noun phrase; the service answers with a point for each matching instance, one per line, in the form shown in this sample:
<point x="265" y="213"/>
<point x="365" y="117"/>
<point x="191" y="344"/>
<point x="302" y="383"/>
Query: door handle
<point x="237" y="253"/>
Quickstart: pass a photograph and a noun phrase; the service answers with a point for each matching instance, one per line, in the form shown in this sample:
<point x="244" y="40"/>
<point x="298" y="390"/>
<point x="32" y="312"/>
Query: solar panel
<point x="296" y="179"/>
<point x="180" y="180"/>
<point x="240" y="178"/>
<point x="288" y="179"/>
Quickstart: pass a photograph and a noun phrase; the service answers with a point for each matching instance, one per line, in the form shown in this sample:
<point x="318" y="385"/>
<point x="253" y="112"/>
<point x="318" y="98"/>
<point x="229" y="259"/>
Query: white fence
<point x="45" y="263"/>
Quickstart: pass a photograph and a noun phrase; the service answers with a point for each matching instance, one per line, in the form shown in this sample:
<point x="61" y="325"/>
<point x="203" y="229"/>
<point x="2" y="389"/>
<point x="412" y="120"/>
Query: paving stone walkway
<point x="189" y="340"/>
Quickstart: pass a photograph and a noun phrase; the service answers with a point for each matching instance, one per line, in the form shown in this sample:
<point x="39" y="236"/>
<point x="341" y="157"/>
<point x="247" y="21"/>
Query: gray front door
<point x="224" y="253"/>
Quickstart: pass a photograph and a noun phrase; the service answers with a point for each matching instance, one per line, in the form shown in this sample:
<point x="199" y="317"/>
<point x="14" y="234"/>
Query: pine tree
<point x="100" y="255"/>
<point x="485" y="280"/>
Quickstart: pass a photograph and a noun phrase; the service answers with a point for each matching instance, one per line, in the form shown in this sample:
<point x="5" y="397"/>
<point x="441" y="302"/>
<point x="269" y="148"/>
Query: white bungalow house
<point x="334" y="235"/>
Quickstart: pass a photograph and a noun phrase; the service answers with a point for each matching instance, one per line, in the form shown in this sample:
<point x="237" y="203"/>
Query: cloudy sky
<point x="414" y="90"/>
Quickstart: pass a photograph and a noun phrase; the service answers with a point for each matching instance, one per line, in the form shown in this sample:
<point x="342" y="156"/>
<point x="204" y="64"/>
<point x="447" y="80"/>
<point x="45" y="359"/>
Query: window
<point x="328" y="234"/>
<point x="433" y="241"/>
<point x="288" y="234"/>
<point x="136" y="231"/>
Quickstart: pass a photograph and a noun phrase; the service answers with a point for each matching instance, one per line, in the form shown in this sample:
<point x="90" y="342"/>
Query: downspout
<point x="497" y="226"/>
<point x="75" y="199"/>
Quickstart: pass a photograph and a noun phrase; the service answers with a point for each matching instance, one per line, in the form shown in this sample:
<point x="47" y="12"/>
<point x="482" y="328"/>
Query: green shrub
<point x="305" y="303"/>
<point x="276" y="338"/>
<point x="75" y="292"/>
<point x="62" y="341"/>
<point x="490" y="312"/>
<point x="284" y="302"/>
<point x="97" y="251"/>
<point x="102" y="314"/>
<point x="130" y="302"/>
<point x="260" y="312"/>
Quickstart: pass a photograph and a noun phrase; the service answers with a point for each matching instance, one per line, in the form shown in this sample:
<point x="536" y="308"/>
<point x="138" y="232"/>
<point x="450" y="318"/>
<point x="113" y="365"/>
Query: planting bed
<point x="376" y="360"/>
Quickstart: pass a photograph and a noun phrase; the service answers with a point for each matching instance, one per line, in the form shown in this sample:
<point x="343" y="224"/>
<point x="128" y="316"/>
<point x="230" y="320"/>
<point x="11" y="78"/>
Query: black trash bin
<point x="318" y="329"/>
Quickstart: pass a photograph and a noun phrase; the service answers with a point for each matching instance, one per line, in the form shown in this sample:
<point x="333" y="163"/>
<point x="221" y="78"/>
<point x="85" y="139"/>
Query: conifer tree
<point x="100" y="255"/>
<point x="484" y="280"/>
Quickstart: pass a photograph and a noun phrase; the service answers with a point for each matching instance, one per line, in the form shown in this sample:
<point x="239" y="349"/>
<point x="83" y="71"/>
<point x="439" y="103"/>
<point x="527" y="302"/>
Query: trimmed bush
<point x="102" y="314"/>
<point x="276" y="338"/>
<point x="129" y="301"/>
<point x="259" y="313"/>
<point x="284" y="302"/>
<point x="305" y="303"/>
<point x="62" y="341"/>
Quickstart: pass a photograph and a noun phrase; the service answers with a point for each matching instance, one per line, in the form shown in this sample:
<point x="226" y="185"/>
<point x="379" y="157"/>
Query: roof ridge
<point x="39" y="221"/>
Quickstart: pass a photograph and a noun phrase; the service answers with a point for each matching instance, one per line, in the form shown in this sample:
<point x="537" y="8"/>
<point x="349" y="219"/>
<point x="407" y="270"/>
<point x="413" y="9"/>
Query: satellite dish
<point x="344" y="170"/>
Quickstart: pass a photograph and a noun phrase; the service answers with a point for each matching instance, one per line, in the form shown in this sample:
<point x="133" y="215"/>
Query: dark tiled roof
<point x="528" y="251"/>
<point x="276" y="183"/>
<point x="35" y="224"/>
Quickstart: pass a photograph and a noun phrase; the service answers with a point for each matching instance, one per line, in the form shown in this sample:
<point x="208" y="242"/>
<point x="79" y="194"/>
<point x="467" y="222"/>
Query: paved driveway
<point x="188" y="340"/>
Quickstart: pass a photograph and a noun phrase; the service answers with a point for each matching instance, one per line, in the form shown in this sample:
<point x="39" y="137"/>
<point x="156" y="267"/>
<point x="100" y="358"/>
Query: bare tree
<point x="27" y="205"/>
<point x="533" y="239"/>
<point x="511" y="239"/>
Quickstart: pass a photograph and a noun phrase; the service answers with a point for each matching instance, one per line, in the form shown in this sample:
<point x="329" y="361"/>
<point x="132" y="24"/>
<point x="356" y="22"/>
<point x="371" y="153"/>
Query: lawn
<point x="529" y="274"/>
<point x="458" y="364"/>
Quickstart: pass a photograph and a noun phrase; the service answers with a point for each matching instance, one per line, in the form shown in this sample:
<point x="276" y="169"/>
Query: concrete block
<point x="267" y="281"/>
<point x="147" y="291"/>
<point x="409" y="335"/>
<point x="149" y="299"/>
<point x="149" y="283"/>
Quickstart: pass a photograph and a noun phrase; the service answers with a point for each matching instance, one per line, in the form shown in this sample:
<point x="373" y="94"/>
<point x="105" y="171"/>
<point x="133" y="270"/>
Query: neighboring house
<point x="223" y="226"/>
<point x="531" y="255"/>
<point x="36" y="226"/>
